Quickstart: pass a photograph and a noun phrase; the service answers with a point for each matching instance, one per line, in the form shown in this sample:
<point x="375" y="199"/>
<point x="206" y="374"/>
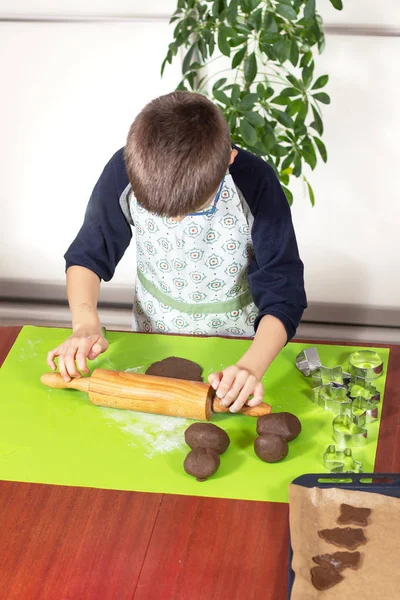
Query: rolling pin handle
<point x="249" y="411"/>
<point x="54" y="380"/>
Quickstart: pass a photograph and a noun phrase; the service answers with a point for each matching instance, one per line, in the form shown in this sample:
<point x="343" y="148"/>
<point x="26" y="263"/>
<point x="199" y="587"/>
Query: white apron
<point x="192" y="274"/>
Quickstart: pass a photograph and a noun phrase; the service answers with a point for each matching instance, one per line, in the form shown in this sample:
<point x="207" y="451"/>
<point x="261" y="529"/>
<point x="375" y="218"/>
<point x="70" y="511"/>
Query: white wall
<point x="72" y="90"/>
<point x="350" y="241"/>
<point x="86" y="7"/>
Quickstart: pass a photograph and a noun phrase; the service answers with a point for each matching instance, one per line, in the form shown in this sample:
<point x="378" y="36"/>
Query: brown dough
<point x="271" y="447"/>
<point x="346" y="537"/>
<point x="201" y="463"/>
<point x="284" y="424"/>
<point x="324" y="577"/>
<point x="207" y="435"/>
<point x="351" y="515"/>
<point x="177" y="368"/>
<point x="339" y="560"/>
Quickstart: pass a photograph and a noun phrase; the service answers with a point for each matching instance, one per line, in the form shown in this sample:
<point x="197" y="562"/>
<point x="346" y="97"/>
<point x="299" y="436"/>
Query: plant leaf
<point x="283" y="118"/>
<point x="242" y="28"/>
<point x="288" y="194"/>
<point x="297" y="166"/>
<point x="288" y="161"/>
<point x="309" y="10"/>
<point x="260" y="90"/>
<point x="295" y="82"/>
<point x="338" y="4"/>
<point x="310" y="193"/>
<point x="221" y="97"/>
<point x="286" y="11"/>
<point x="320" y="82"/>
<point x="270" y="25"/>
<point x="317" y="124"/>
<point x="211" y="45"/>
<point x="235" y="94"/>
<point x="294" y="106"/>
<point x="289" y="91"/>
<point x="322" y="149"/>
<point x="248" y="101"/>
<point x="223" y="43"/>
<point x="237" y="59"/>
<point x="281" y="100"/>
<point x="308" y="153"/>
<point x="294" y="53"/>
<point x="188" y="58"/>
<point x="250" y="68"/>
<point x="322" y="97"/>
<point x="248" y="132"/>
<point x="254" y="119"/>
<point x="219" y="83"/>
<point x="232" y="11"/>
<point x="282" y="49"/>
<point x="306" y="59"/>
<point x="307" y="74"/>
<point x="255" y="19"/>
<point x="163" y="65"/>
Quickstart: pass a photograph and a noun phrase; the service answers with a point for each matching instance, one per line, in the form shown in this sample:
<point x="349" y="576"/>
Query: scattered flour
<point x="156" y="434"/>
<point x="30" y="350"/>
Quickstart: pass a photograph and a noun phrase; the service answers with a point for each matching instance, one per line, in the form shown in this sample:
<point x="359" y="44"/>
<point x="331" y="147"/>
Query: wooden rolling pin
<point x="150" y="394"/>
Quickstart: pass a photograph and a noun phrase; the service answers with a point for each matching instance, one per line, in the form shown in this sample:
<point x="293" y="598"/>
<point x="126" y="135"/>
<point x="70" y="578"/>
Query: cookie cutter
<point x="335" y="375"/>
<point x="361" y="388"/>
<point x="366" y="363"/>
<point x="331" y="397"/>
<point x="340" y="461"/>
<point x="308" y="361"/>
<point x="348" y="426"/>
<point x="363" y="411"/>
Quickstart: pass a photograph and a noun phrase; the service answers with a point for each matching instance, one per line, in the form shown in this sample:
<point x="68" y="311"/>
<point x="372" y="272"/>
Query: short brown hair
<point x="177" y="153"/>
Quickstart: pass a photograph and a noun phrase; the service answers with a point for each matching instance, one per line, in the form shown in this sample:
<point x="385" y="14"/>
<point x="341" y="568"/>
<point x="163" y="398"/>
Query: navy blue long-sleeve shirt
<point x="276" y="273"/>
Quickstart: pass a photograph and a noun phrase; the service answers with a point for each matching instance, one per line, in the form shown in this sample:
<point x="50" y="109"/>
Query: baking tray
<point x="387" y="484"/>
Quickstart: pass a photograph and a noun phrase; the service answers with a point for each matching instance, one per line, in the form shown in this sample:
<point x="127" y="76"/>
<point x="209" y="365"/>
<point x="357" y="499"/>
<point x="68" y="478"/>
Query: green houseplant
<point x="267" y="91"/>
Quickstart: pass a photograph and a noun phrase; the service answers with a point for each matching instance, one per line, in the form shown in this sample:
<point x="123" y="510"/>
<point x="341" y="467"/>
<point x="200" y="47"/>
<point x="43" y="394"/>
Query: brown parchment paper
<point x="378" y="577"/>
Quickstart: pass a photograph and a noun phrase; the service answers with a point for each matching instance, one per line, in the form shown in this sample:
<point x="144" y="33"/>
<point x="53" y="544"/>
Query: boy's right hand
<point x="85" y="343"/>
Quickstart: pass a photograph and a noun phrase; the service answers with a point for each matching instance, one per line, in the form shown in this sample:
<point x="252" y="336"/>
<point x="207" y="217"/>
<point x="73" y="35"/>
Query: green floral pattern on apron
<point x="192" y="274"/>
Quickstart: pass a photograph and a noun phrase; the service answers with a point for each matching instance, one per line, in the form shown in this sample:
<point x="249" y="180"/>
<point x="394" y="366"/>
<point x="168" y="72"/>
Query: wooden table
<point x="80" y="544"/>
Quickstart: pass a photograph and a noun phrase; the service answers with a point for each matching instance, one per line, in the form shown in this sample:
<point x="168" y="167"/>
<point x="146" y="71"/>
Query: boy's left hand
<point x="234" y="385"/>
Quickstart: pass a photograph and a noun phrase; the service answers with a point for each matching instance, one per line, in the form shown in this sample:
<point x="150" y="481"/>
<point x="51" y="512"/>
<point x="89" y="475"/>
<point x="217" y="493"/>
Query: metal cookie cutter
<point x="347" y="433"/>
<point x="308" y="361"/>
<point x="366" y="363"/>
<point x="340" y="461"/>
<point x="361" y="388"/>
<point x="334" y="375"/>
<point x="331" y="397"/>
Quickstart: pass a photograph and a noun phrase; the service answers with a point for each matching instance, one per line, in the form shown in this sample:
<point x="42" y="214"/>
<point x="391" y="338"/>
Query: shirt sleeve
<point x="105" y="233"/>
<point x="276" y="274"/>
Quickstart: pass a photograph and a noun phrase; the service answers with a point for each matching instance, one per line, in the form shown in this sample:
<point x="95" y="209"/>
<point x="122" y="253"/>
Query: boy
<point x="216" y="250"/>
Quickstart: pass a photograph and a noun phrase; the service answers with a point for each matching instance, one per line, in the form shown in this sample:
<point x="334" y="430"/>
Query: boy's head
<point x="177" y="153"/>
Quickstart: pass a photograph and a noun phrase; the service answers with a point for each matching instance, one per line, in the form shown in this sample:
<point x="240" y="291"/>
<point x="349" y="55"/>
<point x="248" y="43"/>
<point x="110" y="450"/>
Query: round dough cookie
<point x="201" y="463"/>
<point x="271" y="447"/>
<point x="284" y="424"/>
<point x="207" y="435"/>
